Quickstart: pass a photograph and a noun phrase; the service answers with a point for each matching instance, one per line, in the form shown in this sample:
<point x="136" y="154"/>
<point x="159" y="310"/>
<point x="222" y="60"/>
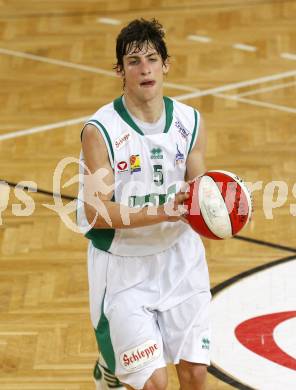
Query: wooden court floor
<point x="233" y="60"/>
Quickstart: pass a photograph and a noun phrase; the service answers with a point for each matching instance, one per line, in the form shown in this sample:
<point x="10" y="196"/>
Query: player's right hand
<point x="175" y="210"/>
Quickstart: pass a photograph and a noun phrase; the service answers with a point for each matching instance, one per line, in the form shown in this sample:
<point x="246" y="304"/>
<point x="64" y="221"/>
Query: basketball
<point x="219" y="205"/>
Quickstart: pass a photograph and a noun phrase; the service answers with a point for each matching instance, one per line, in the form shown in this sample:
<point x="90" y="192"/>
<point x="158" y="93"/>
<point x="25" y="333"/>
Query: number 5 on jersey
<point x="157" y="175"/>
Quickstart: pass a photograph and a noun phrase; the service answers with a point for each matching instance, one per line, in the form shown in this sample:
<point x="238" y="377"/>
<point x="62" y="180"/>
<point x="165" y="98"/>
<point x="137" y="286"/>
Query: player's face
<point x="143" y="73"/>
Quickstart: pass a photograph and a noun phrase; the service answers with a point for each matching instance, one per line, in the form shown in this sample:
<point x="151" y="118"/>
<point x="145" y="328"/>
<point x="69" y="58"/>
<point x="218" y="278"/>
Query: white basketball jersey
<point x="148" y="170"/>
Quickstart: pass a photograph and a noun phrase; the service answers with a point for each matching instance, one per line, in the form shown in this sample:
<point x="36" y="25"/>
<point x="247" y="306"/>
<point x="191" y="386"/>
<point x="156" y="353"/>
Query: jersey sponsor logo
<point x="152" y="199"/>
<point x="179" y="156"/>
<point x="205" y="343"/>
<point x="135" y="163"/>
<point x="122" y="140"/>
<point x="156" y="154"/>
<point x="181" y="129"/>
<point x="135" y="358"/>
<point x="122" y="166"/>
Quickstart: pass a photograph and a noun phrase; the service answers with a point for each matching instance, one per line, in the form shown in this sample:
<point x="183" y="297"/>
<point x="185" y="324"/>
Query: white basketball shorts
<point x="152" y="310"/>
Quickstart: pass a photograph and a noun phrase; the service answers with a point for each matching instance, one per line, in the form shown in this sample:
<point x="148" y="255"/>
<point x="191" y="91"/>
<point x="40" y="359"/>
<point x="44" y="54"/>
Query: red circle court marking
<point x="256" y="334"/>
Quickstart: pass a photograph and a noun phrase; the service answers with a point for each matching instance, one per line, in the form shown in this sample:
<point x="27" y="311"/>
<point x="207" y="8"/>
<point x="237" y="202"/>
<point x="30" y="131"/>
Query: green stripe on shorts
<point x="104" y="340"/>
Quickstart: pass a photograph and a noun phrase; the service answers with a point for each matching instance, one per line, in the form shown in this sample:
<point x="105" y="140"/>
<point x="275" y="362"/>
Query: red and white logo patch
<point x="134" y="359"/>
<point x="122" y="166"/>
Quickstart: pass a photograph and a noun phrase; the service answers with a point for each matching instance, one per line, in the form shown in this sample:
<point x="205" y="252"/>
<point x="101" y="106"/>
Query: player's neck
<point x="147" y="111"/>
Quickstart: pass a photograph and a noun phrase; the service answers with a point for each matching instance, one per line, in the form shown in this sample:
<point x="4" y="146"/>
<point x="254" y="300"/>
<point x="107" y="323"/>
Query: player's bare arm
<point x="96" y="158"/>
<point x="195" y="165"/>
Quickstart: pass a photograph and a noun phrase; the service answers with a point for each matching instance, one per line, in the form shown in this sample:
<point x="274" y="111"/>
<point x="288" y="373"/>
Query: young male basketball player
<point x="148" y="277"/>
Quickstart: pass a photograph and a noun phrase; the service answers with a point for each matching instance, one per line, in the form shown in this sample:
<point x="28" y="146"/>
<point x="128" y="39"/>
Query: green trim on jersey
<point x="97" y="373"/>
<point x="106" y="137"/>
<point x="120" y="109"/>
<point x="101" y="238"/>
<point x="194" y="133"/>
<point x="169" y="108"/>
<point x="122" y="112"/>
<point x="104" y="340"/>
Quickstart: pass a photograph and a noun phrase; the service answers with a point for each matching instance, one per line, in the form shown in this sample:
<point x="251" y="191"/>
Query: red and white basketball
<point x="219" y="205"/>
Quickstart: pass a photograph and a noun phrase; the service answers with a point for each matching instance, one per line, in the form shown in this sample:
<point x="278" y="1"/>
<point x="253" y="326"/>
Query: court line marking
<point x="216" y="370"/>
<point x="289" y="56"/>
<point x="242" y="46"/>
<point x="38" y="190"/>
<point x="39" y="129"/>
<point x="19" y="333"/>
<point x="237" y="237"/>
<point x="199" y="38"/>
<point x="75" y="121"/>
<point x="54" y="61"/>
<point x="196" y="93"/>
<point x="114" y="22"/>
<point x="181" y="87"/>
<point x="86" y="68"/>
<point x="266" y="89"/>
<point x="265" y="243"/>
<point x="257" y="103"/>
<point x="240" y="84"/>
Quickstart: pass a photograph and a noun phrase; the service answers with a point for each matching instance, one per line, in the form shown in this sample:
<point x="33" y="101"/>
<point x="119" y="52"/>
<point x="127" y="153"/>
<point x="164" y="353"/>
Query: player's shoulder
<point x="104" y="114"/>
<point x="188" y="116"/>
<point x="107" y="121"/>
<point x="102" y="120"/>
<point x="182" y="107"/>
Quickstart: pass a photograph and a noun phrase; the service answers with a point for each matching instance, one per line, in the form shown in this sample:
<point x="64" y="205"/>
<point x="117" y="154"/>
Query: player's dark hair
<point x="137" y="34"/>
